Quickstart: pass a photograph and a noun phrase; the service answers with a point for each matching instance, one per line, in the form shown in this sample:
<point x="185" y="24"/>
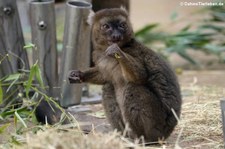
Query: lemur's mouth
<point x="110" y="42"/>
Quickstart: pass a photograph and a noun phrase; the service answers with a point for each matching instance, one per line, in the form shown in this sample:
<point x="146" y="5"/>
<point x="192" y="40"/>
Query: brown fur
<point x="140" y="89"/>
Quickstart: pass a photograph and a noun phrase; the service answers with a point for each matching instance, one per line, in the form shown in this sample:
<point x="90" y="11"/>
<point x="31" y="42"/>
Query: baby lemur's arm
<point x="133" y="70"/>
<point x="91" y="75"/>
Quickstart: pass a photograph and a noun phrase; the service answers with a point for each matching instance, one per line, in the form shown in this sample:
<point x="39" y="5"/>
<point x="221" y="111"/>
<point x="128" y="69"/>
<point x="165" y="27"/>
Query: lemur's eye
<point x="105" y="26"/>
<point x="122" y="25"/>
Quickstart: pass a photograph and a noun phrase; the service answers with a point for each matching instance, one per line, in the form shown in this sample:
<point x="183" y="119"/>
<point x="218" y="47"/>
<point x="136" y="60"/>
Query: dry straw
<point x="199" y="127"/>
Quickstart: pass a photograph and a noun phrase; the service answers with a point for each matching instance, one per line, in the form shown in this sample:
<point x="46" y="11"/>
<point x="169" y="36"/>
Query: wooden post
<point x="13" y="57"/>
<point x="76" y="49"/>
<point x="222" y="104"/>
<point x="43" y="27"/>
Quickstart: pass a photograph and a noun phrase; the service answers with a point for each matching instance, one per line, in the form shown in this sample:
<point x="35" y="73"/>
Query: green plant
<point x="24" y="91"/>
<point x="208" y="37"/>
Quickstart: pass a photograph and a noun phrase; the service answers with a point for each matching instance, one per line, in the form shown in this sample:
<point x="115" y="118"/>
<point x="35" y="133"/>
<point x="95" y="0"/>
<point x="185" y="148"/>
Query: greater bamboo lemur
<point x="140" y="90"/>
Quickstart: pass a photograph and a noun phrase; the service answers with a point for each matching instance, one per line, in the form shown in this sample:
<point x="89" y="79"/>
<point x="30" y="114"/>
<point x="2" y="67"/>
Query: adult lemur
<point x="139" y="88"/>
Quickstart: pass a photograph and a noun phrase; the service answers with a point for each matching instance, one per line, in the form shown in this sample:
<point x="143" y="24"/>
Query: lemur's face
<point x="112" y="26"/>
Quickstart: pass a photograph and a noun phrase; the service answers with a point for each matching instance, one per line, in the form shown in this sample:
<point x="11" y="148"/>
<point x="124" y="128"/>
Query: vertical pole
<point x="76" y="49"/>
<point x="222" y="104"/>
<point x="12" y="55"/>
<point x="43" y="27"/>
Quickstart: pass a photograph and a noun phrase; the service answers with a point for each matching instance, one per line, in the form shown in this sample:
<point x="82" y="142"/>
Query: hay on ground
<point x="200" y="126"/>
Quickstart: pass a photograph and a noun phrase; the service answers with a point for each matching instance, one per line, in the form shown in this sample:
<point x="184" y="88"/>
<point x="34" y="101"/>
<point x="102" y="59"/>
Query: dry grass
<point x="53" y="139"/>
<point x="73" y="139"/>
<point x="199" y="127"/>
<point x="201" y="118"/>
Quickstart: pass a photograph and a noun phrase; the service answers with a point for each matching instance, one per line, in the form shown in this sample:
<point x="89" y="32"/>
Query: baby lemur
<point x="139" y="88"/>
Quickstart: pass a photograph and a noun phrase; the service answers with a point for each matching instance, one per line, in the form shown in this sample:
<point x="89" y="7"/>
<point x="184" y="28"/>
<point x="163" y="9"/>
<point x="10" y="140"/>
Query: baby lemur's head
<point x="111" y="26"/>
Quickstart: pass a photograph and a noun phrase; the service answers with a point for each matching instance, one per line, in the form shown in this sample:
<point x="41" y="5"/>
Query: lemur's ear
<point x="90" y="17"/>
<point x="124" y="9"/>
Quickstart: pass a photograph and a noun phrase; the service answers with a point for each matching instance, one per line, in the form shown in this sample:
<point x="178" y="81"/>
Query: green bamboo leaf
<point x="212" y="27"/>
<point x="10" y="86"/>
<point x="30" y="80"/>
<point x="20" y="119"/>
<point x="12" y="77"/>
<point x="187" y="57"/>
<point x="1" y="93"/>
<point x="180" y="49"/>
<point x="3" y="128"/>
<point x="15" y="141"/>
<point x="15" y="120"/>
<point x="186" y="28"/>
<point x="154" y="36"/>
<point x="214" y="49"/>
<point x="38" y="76"/>
<point x="219" y="16"/>
<point x="146" y="29"/>
<point x="28" y="46"/>
<point x="11" y="112"/>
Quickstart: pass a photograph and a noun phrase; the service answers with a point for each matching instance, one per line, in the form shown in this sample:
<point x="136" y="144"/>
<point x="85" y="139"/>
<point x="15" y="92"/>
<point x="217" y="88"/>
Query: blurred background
<point x="189" y="36"/>
<point x="196" y="33"/>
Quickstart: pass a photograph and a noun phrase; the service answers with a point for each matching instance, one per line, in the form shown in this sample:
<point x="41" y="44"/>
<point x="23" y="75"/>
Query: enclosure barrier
<point x="43" y="27"/>
<point x="76" y="49"/>
<point x="13" y="57"/>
